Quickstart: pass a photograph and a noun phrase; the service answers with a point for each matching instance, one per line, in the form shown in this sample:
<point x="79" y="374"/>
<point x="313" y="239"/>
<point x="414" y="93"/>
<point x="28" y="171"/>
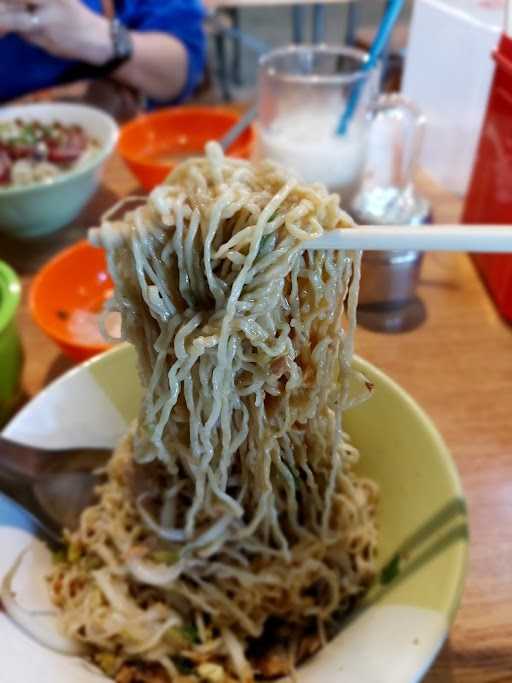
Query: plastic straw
<point x="380" y="42"/>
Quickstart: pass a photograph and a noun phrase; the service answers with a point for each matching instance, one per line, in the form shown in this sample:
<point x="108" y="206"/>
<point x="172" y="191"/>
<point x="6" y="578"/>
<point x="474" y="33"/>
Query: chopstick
<point x="508" y="18"/>
<point x="473" y="238"/>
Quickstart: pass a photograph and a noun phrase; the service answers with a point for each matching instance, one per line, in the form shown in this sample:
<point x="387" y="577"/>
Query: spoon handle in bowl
<point x="17" y="460"/>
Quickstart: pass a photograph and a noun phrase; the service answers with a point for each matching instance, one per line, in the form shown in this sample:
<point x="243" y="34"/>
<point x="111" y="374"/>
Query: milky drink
<point x="305" y="141"/>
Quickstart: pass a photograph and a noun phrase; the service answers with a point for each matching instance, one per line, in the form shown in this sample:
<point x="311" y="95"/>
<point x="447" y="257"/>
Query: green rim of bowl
<point x="10" y="294"/>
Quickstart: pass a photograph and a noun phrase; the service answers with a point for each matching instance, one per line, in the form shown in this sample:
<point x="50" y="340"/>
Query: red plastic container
<point x="489" y="199"/>
<point x="152" y="144"/>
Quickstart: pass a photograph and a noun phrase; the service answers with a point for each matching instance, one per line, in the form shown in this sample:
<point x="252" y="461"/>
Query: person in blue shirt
<point x="156" y="47"/>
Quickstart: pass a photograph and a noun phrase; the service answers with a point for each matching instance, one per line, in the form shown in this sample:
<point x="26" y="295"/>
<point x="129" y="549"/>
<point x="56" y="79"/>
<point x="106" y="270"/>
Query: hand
<point x="64" y="28"/>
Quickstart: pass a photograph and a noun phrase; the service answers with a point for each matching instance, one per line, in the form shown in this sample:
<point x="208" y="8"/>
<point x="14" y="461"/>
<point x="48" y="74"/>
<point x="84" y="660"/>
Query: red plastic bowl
<point x="153" y="144"/>
<point x="67" y="290"/>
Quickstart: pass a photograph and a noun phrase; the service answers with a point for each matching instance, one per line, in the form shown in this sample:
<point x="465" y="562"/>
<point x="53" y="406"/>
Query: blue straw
<point x="379" y="45"/>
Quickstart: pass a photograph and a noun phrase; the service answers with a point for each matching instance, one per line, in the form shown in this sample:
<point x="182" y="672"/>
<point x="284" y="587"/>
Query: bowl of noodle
<point x="275" y="507"/>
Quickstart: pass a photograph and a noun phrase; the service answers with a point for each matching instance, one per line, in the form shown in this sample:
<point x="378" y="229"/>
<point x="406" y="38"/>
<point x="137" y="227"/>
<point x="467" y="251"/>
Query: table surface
<point x="457" y="364"/>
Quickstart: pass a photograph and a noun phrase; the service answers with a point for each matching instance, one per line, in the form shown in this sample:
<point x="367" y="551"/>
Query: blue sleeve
<point x="182" y="19"/>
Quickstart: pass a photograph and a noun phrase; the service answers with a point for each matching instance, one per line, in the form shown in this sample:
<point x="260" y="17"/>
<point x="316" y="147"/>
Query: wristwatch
<point x="122" y="45"/>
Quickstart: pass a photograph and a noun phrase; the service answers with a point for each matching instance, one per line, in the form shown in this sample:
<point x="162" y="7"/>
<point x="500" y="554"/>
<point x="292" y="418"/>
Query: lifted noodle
<point x="232" y="500"/>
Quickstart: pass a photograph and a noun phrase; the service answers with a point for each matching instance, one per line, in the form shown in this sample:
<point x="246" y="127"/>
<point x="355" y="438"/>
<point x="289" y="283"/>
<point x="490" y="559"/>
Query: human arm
<point x="70" y="30"/>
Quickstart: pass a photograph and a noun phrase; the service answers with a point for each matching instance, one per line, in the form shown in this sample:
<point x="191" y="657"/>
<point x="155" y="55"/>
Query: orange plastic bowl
<point x="67" y="295"/>
<point x="153" y="144"/>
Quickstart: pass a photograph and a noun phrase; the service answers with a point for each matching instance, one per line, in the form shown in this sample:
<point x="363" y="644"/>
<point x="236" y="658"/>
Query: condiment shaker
<point x="387" y="298"/>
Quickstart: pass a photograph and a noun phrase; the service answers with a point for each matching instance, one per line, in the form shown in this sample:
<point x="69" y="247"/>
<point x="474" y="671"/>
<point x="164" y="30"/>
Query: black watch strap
<point x="122" y="46"/>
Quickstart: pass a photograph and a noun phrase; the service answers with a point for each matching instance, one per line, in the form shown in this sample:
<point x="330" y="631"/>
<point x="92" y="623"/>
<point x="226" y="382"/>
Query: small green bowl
<point x="10" y="345"/>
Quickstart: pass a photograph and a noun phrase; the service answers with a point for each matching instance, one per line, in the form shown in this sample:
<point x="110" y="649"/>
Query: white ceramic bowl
<point x="30" y="211"/>
<point x="404" y="619"/>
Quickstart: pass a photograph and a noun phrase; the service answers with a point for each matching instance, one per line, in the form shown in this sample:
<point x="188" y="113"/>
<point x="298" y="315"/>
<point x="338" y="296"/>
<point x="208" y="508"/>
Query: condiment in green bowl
<point x="10" y="346"/>
<point x="39" y="208"/>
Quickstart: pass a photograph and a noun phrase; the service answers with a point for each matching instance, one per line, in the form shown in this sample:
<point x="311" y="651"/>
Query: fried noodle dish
<point x="231" y="531"/>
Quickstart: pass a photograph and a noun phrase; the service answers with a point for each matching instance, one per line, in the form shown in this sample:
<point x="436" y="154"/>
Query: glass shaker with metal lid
<point x="387" y="299"/>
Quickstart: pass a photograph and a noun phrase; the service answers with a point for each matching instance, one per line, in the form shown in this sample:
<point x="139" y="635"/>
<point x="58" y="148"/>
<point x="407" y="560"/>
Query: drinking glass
<point x="303" y="92"/>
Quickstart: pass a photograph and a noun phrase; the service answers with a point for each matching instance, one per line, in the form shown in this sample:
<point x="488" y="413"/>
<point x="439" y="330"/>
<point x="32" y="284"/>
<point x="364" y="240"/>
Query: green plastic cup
<point x="10" y="346"/>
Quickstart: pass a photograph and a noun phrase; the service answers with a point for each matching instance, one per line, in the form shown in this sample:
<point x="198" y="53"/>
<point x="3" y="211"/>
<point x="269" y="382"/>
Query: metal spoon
<point x="52" y="486"/>
<point x="235" y="131"/>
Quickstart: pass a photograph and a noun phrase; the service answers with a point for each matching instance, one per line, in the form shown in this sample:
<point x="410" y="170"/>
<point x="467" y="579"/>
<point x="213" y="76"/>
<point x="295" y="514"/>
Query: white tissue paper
<point x="448" y="73"/>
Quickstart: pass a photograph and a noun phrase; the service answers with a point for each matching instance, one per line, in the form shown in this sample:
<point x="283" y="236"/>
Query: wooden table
<point x="458" y="365"/>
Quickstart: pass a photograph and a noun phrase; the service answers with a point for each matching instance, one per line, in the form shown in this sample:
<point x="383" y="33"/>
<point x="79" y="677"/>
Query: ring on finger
<point x="35" y="20"/>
